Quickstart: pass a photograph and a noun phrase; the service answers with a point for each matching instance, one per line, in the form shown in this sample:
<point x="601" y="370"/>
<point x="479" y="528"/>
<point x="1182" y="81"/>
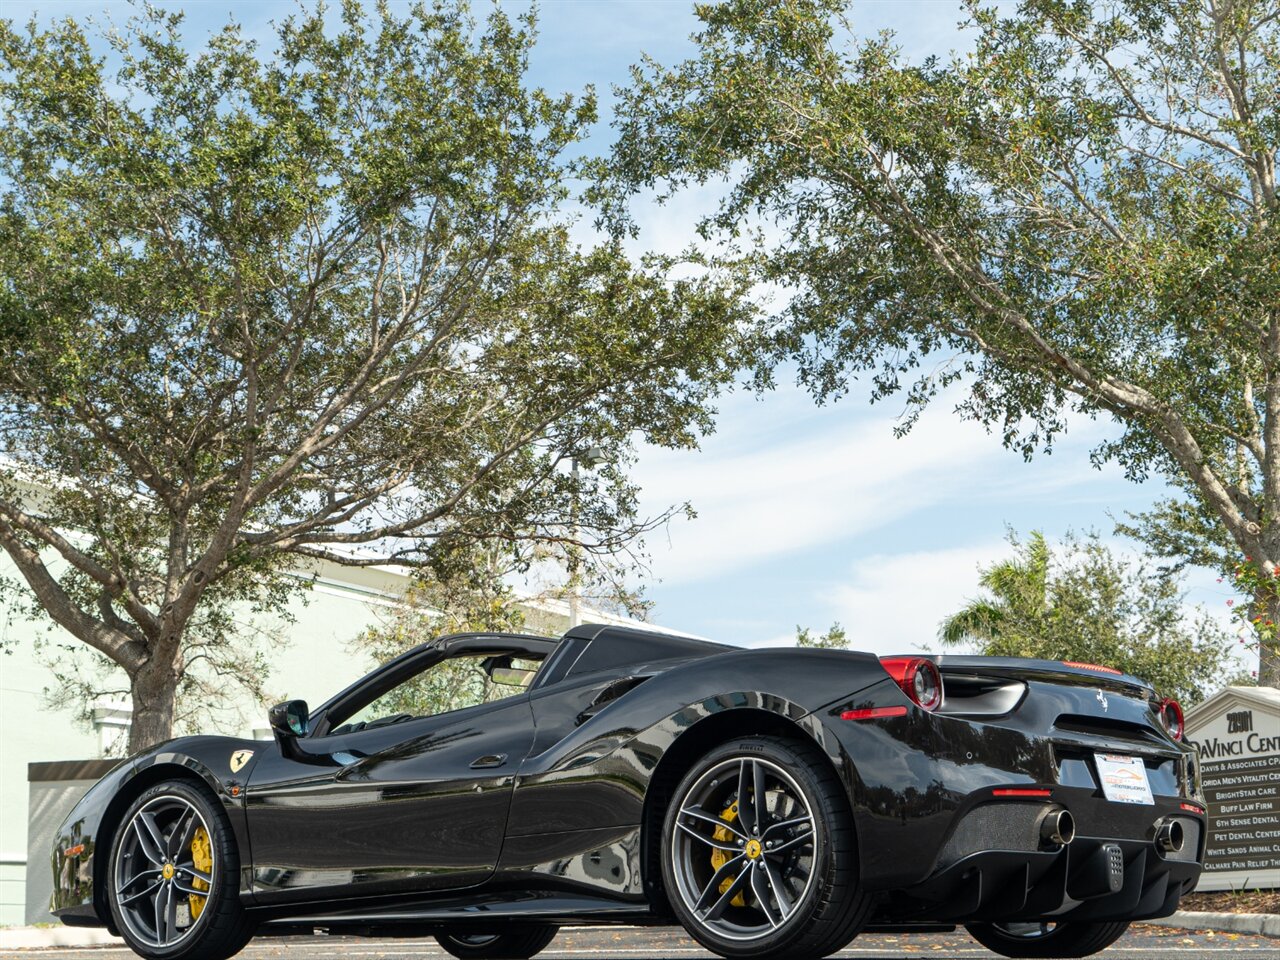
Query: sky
<point x="806" y="515"/>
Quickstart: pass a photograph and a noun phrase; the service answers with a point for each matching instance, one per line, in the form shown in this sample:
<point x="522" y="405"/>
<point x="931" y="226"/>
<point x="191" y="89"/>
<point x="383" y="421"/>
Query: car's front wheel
<point x="515" y="944"/>
<point x="1069" y="939"/>
<point x="173" y="877"/>
<point x="759" y="856"/>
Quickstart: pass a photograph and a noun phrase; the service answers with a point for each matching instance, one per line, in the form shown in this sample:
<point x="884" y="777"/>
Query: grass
<point x="1233" y="901"/>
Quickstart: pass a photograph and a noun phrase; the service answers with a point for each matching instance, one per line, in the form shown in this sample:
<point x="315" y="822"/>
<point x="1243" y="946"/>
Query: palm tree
<point x="1017" y="607"/>
<point x="1083" y="602"/>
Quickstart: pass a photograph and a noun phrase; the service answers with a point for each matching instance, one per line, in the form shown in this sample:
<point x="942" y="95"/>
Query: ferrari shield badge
<point x="239" y="759"/>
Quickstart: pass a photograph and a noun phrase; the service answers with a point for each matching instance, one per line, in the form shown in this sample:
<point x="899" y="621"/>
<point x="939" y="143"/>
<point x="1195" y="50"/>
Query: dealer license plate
<point x="1124" y="779"/>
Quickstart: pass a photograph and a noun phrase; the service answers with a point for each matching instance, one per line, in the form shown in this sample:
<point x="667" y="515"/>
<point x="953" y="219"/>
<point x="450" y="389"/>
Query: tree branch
<point x="118" y="646"/>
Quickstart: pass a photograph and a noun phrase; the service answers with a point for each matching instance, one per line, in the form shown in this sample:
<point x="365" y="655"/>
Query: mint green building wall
<point x="28" y="732"/>
<point x="13" y="875"/>
<point x="310" y="659"/>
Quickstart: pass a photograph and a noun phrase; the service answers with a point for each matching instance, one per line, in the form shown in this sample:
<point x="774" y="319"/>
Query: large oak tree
<point x="1078" y="214"/>
<point x="259" y="311"/>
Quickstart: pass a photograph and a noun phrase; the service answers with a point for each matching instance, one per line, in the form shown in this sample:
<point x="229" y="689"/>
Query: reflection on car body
<point x="774" y="802"/>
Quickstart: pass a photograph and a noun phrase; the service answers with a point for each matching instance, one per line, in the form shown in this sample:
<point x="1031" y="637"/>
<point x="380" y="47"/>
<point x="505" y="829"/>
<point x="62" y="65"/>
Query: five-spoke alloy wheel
<point x="159" y="888"/>
<point x="743" y="849"/>
<point x="173" y="876"/>
<point x="759" y="857"/>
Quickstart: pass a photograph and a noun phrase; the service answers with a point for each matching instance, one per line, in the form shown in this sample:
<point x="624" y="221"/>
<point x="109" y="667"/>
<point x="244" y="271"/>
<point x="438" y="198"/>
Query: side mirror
<point x="289" y="720"/>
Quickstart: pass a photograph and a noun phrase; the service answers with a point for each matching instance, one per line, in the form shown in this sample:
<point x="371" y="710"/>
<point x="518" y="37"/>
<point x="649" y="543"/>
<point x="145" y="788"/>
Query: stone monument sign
<point x="1238" y="733"/>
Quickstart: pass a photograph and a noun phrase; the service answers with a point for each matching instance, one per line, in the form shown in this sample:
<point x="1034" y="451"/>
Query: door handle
<point x="489" y="760"/>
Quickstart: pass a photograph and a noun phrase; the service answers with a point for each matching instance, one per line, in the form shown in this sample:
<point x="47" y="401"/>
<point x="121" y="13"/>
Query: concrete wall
<point x="53" y="789"/>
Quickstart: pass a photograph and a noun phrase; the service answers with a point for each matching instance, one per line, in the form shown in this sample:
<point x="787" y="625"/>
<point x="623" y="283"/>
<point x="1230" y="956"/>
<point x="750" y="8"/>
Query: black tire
<point x="1069" y="939"/>
<point x="829" y="908"/>
<point x="514" y="944"/>
<point x="222" y="927"/>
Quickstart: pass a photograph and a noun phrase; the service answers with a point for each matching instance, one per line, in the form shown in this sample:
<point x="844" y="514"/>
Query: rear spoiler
<point x="1049" y="671"/>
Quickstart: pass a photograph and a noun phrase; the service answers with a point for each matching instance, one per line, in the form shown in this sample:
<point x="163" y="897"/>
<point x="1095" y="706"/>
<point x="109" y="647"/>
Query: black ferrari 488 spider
<point x="773" y="802"/>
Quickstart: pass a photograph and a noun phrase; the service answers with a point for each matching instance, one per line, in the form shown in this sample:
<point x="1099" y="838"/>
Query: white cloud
<point x="784" y="476"/>
<point x="893" y="603"/>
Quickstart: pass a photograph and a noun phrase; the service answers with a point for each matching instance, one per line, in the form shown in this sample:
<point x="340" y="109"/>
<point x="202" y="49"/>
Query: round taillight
<point x="1171" y="717"/>
<point x="919" y="679"/>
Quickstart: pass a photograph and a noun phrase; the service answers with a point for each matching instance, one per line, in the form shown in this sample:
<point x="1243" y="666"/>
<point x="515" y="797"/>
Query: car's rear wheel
<point x="173" y="877"/>
<point x="514" y="944"/>
<point x="759" y="857"/>
<point x="1069" y="939"/>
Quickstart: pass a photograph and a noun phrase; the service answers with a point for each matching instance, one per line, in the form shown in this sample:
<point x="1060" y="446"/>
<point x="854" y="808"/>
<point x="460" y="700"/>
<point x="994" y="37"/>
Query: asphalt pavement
<point x="627" y="943"/>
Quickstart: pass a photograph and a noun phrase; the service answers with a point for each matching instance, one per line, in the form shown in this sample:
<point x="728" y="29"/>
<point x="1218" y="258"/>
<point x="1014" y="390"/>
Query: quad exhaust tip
<point x="1170" y="836"/>
<point x="1058" y="828"/>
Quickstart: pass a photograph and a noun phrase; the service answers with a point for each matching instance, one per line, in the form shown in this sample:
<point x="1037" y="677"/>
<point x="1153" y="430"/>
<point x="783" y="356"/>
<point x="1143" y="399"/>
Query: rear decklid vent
<point x="1107" y="727"/>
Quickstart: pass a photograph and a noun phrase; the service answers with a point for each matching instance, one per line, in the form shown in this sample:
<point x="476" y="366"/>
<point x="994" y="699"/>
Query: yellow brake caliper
<point x="202" y="860"/>
<point x="720" y="857"/>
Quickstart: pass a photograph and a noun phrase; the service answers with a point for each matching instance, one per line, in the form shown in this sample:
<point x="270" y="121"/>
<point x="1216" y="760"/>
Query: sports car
<point x="773" y="802"/>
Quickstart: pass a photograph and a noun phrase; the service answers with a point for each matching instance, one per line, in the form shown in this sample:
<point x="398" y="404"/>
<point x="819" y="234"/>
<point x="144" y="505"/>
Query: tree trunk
<point x="154" y="689"/>
<point x="1267" y="605"/>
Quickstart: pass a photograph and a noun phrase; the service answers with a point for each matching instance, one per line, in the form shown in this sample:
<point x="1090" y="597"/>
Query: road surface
<point x="627" y="943"/>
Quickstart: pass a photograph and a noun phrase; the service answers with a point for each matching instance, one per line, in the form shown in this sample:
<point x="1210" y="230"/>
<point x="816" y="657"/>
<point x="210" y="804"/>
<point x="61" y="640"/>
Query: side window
<point x="450" y="685"/>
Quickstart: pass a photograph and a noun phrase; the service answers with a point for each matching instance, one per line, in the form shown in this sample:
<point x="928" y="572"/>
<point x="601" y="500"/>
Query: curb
<point x="1264" y="924"/>
<point x="33" y="938"/>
